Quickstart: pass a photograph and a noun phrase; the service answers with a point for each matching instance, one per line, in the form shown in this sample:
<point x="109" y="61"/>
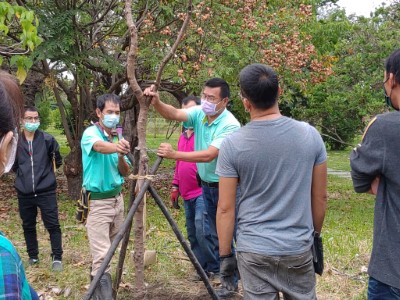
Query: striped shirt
<point x="13" y="282"/>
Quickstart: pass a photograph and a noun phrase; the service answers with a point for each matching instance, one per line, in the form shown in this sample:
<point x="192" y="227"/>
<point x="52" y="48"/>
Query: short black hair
<point x="219" y="82"/>
<point x="259" y="84"/>
<point x="189" y="98"/>
<point x="101" y="100"/>
<point x="31" y="108"/>
<point x="392" y="65"/>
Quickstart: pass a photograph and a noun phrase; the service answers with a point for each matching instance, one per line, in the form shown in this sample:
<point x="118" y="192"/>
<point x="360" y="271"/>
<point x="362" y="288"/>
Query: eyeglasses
<point x="30" y="119"/>
<point x="211" y="99"/>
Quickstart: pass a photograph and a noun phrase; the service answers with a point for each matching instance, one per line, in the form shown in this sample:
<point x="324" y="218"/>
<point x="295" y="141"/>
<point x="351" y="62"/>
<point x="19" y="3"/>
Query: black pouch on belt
<point x="82" y="204"/>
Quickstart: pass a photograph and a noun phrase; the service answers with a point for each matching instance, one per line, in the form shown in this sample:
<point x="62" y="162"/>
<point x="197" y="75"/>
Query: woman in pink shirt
<point x="185" y="184"/>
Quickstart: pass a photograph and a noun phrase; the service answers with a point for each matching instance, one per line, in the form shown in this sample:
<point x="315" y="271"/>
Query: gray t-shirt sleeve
<point x="321" y="150"/>
<point x="225" y="163"/>
<point x="223" y="133"/>
<point x="366" y="160"/>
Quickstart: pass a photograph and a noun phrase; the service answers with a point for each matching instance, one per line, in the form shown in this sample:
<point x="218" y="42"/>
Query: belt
<point x="105" y="195"/>
<point x="210" y="184"/>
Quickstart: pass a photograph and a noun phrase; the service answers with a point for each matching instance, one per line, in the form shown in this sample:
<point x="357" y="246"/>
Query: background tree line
<point x="69" y="52"/>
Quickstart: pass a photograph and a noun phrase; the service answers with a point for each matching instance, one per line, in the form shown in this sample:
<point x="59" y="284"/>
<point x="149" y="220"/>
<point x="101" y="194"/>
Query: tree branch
<point x="131" y="58"/>
<point x="101" y="18"/>
<point x="61" y="107"/>
<point x="177" y="41"/>
<point x="336" y="137"/>
<point x="117" y="84"/>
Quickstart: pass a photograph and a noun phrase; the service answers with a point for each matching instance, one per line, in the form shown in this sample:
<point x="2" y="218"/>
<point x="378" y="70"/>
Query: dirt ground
<point x="184" y="290"/>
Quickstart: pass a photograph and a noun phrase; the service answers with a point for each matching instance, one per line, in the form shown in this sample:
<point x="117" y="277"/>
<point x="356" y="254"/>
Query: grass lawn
<point x="347" y="237"/>
<point x="339" y="160"/>
<point x="61" y="139"/>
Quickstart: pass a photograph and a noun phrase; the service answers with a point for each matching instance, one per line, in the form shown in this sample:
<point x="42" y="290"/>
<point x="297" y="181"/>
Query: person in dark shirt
<point x="37" y="158"/>
<point x="375" y="169"/>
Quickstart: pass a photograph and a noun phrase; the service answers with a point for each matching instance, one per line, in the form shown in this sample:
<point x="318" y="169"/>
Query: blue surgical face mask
<point x="31" y="127"/>
<point x="110" y="121"/>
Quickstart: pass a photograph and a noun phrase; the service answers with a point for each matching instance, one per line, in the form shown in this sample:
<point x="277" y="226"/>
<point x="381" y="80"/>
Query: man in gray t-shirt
<point x="280" y="165"/>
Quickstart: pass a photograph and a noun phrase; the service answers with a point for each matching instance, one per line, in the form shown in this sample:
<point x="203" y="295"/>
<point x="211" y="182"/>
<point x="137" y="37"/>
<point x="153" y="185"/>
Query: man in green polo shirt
<point x="104" y="165"/>
<point x="211" y="122"/>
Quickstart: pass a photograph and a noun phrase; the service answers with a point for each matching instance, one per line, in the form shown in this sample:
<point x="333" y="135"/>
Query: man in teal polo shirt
<point x="211" y="122"/>
<point x="104" y="165"/>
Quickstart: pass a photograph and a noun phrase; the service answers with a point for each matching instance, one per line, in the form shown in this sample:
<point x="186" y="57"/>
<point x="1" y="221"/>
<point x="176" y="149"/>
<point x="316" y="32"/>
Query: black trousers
<point x="28" y="210"/>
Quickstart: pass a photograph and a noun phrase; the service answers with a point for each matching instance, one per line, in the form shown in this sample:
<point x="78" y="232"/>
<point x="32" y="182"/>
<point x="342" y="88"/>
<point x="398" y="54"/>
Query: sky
<point x="361" y="7"/>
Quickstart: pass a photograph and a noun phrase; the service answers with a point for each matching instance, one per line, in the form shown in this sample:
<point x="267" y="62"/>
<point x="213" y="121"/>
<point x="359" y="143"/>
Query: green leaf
<point x="21" y="74"/>
<point x="23" y="64"/>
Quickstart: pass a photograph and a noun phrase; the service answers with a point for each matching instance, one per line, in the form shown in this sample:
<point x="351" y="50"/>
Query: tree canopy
<point x="329" y="64"/>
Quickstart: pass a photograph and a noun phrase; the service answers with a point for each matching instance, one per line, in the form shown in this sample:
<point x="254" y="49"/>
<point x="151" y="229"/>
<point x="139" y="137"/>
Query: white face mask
<point x="8" y="153"/>
<point x="210" y="109"/>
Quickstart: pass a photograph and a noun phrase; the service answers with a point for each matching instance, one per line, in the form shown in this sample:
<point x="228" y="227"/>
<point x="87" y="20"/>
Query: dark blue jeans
<point x="211" y="200"/>
<point x="379" y="291"/>
<point x="28" y="210"/>
<point x="197" y="227"/>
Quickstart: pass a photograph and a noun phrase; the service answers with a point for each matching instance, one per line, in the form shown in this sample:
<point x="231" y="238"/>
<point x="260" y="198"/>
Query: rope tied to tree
<point x="138" y="177"/>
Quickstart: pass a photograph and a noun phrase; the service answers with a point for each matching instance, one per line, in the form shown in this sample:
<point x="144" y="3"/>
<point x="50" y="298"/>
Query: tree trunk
<point x="141" y="130"/>
<point x="73" y="172"/>
<point x="33" y="84"/>
<point x="140" y="289"/>
<point x="130" y="126"/>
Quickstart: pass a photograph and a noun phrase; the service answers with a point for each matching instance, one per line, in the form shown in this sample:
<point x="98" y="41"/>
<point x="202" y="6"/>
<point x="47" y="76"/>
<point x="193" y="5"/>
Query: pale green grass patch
<point x="339" y="160"/>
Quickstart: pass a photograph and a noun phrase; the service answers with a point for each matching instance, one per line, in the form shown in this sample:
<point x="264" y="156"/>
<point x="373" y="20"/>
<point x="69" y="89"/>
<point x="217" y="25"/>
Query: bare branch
<point x="9" y="52"/>
<point x="61" y="107"/>
<point x="131" y="59"/>
<point x="143" y="16"/>
<point x="336" y="140"/>
<point x="15" y="38"/>
<point x="101" y="18"/>
<point x="177" y="41"/>
<point x="104" y="36"/>
<point x="116" y="84"/>
<point x="335" y="137"/>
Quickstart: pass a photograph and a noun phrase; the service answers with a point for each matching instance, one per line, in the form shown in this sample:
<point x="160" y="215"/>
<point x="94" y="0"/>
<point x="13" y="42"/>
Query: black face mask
<point x="387" y="98"/>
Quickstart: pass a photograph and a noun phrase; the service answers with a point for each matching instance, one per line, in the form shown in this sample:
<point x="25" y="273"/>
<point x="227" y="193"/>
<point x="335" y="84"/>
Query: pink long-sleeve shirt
<point x="185" y="172"/>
